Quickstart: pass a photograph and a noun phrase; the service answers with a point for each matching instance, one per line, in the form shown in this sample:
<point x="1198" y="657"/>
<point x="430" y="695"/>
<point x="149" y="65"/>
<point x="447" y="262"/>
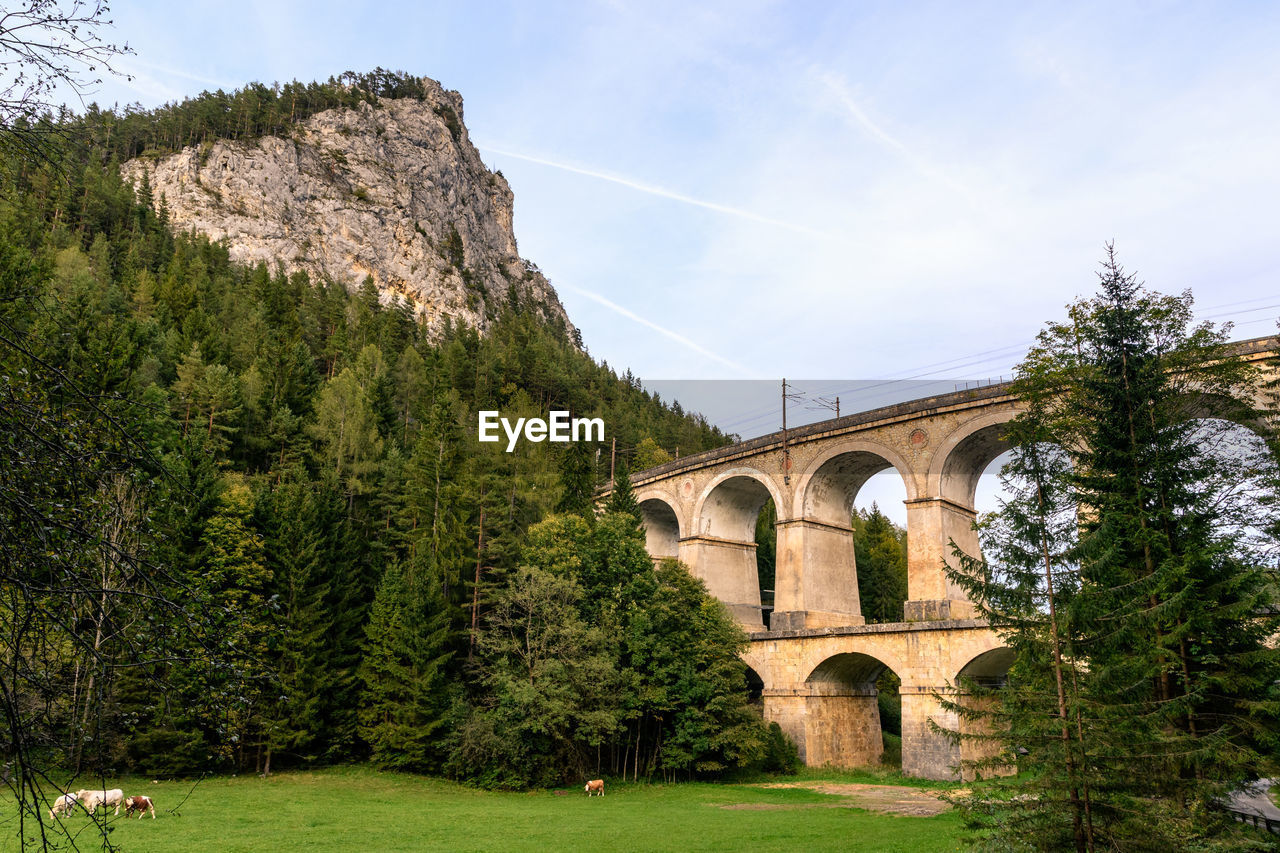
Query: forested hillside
<point x="247" y="524"/>
<point x="250" y="112"/>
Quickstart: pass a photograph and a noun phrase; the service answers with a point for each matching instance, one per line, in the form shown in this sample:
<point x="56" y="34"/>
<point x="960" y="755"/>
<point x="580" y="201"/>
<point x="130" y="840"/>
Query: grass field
<point x="357" y="809"/>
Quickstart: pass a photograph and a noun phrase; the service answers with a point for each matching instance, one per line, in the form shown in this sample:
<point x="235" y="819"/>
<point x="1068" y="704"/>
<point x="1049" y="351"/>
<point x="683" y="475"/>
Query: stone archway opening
<point x="661" y="529"/>
<point x="989" y="669"/>
<point x="835" y="717"/>
<point x="848" y="560"/>
<point x="755" y="689"/>
<point x="980" y="738"/>
<point x="941" y="520"/>
<point x="990" y="490"/>
<point x="879" y="520"/>
<point x="723" y="550"/>
<point x="969" y="460"/>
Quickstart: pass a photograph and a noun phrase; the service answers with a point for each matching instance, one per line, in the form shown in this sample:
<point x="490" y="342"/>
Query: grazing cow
<point x="65" y="803"/>
<point x="92" y="799"/>
<point x="141" y="805"/>
<point x="595" y="786"/>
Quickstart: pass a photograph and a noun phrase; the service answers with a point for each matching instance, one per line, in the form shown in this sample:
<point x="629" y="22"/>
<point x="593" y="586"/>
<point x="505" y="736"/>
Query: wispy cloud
<point x="134" y="63"/>
<point x="840" y="89"/>
<point x="658" y="191"/>
<point x="675" y="336"/>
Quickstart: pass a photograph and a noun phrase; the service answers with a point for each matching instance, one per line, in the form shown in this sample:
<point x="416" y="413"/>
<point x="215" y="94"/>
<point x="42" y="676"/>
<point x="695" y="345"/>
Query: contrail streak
<point x="659" y="191"/>
<point x="675" y="336"/>
<point x="841" y="91"/>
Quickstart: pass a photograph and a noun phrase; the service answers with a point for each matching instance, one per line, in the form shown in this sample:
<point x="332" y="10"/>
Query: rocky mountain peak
<point x="391" y="190"/>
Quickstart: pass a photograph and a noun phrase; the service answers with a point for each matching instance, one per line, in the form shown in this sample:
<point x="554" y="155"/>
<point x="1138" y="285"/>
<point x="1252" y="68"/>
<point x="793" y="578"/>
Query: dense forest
<point x="247" y="524"/>
<point x="250" y="112"/>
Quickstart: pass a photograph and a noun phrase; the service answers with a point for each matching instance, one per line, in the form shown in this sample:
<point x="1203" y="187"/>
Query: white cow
<point x="65" y="803"/>
<point x="92" y="799"/>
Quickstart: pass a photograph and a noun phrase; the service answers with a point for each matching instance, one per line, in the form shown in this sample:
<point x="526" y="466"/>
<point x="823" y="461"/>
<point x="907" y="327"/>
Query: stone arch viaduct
<point x="817" y="659"/>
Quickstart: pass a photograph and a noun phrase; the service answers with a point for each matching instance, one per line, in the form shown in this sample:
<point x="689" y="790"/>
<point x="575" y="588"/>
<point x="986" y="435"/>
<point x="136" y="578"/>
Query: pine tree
<point x="880" y="552"/>
<point x="577" y="480"/>
<point x="622" y="500"/>
<point x="404" y="671"/>
<point x="303" y="626"/>
<point x="1143" y="688"/>
<point x="236" y="580"/>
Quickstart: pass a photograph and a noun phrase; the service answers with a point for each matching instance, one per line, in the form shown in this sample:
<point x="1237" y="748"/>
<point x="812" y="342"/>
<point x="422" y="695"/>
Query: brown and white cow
<point x="595" y="786"/>
<point x="141" y="805"/>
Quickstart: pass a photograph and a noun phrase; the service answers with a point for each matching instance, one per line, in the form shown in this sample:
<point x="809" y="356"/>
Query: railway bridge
<point x="816" y="659"/>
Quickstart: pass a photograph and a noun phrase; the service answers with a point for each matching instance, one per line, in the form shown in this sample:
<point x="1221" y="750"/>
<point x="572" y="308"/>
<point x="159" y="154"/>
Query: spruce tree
<point x="880" y="550"/>
<point x="1144" y="688"/>
<point x="303" y="624"/>
<point x="622" y="500"/>
<point x="404" y="671"/>
<point x="577" y="479"/>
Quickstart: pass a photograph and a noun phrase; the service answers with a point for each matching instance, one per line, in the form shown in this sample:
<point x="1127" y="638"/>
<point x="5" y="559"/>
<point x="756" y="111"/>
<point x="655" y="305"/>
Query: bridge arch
<point x="989" y="668"/>
<point x="759" y="664"/>
<point x="944" y="514"/>
<point x="1206" y="405"/>
<point x="755" y="687"/>
<point x="730" y="503"/>
<point x="853" y="669"/>
<point x="661" y="524"/>
<point x="826" y="490"/>
<point x="857" y="663"/>
<point x="840" y="723"/>
<point x="965" y="454"/>
<point x="979" y="742"/>
<point x="720" y="547"/>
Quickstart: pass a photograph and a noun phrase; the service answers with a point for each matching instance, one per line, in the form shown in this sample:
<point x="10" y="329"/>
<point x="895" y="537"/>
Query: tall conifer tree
<point x="1141" y="625"/>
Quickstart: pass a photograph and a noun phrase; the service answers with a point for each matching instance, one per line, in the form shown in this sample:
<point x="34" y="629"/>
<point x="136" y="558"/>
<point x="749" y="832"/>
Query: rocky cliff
<point x="393" y="191"/>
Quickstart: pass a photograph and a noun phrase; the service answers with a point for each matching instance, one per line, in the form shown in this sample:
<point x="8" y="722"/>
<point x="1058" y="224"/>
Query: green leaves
<point x="880" y="552"/>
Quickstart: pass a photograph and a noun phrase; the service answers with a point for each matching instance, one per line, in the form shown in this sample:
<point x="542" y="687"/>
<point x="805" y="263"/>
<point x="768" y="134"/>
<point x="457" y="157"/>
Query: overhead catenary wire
<point x="997" y="358"/>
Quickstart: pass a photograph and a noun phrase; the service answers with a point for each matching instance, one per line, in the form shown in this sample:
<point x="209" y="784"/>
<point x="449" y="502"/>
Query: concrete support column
<point x="831" y="724"/>
<point x="728" y="568"/>
<point x="927" y="753"/>
<point x="816" y="583"/>
<point x="932" y="524"/>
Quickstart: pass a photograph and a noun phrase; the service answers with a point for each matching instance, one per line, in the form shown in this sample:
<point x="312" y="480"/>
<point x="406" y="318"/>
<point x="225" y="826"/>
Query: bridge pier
<point x="816" y="581"/>
<point x="932" y="524"/>
<point x="831" y="724"/>
<point x="927" y="753"/>
<point x="728" y="568"/>
<point x="930" y="754"/>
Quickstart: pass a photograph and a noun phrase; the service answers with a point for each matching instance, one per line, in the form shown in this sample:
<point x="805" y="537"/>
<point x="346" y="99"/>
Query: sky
<point x="851" y="192"/>
<point x="822" y="190"/>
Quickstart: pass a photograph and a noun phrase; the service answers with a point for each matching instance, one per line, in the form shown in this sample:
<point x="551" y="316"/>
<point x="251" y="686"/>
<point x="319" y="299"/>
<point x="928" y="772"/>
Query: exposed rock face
<point x="395" y="192"/>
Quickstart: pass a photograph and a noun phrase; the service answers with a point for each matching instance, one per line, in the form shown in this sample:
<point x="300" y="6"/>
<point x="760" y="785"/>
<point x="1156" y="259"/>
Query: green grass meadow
<point x="358" y="809"/>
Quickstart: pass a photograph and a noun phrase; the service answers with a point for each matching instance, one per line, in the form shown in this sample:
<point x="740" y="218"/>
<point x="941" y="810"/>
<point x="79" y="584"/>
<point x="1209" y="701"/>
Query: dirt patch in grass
<point x="888" y="799"/>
